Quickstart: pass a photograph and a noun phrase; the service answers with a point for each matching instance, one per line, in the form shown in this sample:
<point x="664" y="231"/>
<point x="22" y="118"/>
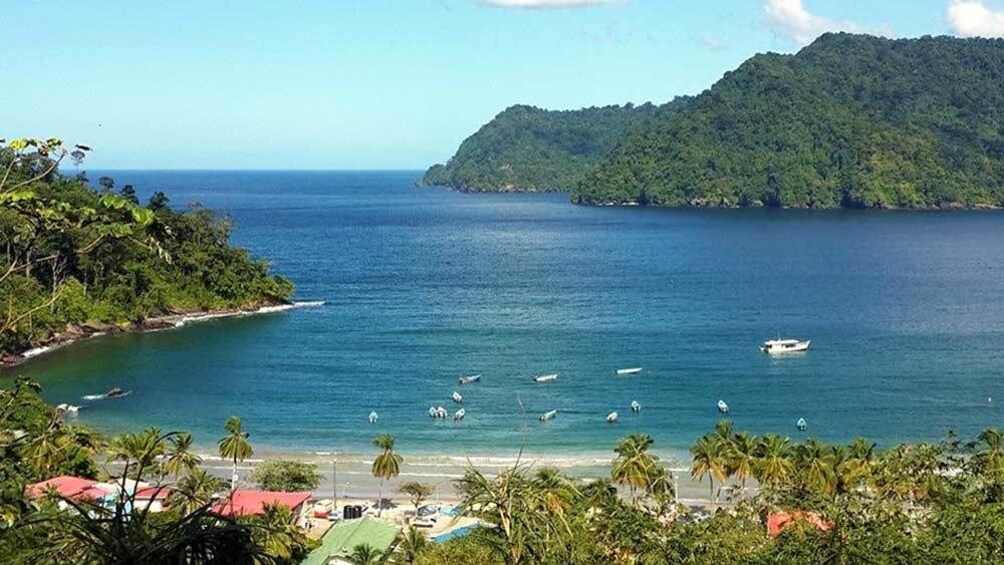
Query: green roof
<point x="341" y="539"/>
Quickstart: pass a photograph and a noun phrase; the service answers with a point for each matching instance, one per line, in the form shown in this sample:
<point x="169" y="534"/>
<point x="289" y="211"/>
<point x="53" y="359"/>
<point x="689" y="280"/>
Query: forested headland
<point x="527" y="149"/>
<point x="849" y="121"/>
<point x="77" y="260"/>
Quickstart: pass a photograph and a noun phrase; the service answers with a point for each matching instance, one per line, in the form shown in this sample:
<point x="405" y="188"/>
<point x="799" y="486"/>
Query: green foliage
<point x="418" y="492"/>
<point x="851" y="120"/>
<point x="285" y="475"/>
<point x="527" y="149"/>
<point x="75" y="256"/>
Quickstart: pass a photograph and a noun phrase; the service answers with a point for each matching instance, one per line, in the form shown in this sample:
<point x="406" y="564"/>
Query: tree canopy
<point x="850" y="120"/>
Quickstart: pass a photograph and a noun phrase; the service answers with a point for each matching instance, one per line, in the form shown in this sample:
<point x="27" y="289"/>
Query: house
<point x="253" y="502"/>
<point x="78" y="489"/>
<point x="339" y="541"/>
<point x="781" y="521"/>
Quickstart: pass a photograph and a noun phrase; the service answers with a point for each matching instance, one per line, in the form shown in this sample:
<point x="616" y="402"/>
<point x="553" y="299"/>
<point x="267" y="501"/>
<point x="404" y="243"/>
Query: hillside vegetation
<point x="527" y="149"/>
<point x="74" y="256"/>
<point x="851" y="120"/>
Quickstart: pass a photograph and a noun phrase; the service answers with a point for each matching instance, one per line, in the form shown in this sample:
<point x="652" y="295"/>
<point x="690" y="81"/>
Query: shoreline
<point x="87" y="331"/>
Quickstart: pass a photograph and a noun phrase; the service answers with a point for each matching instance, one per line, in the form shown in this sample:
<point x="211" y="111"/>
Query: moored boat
<point x="373" y="417"/>
<point x="459" y="415"/>
<point x="635" y="406"/>
<point x="468" y="380"/>
<point x="546" y="416"/>
<point x="458" y="398"/>
<point x="546" y="378"/>
<point x="802" y="425"/>
<point x="629" y="372"/>
<point x="722" y="407"/>
<point x="781" y="346"/>
<point x="612" y="417"/>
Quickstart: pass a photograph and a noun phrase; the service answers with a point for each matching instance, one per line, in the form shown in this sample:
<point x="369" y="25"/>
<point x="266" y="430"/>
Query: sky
<point x="383" y="84"/>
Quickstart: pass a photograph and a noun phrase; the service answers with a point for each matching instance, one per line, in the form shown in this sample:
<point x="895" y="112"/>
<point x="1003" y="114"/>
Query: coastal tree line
<point x="913" y="503"/>
<point x="79" y="259"/>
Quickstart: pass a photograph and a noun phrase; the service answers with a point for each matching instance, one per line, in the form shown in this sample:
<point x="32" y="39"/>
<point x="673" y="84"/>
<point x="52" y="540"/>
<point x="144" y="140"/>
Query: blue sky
<point x="364" y="84"/>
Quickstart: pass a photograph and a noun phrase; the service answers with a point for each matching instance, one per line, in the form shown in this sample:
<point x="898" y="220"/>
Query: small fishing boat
<point x="722" y="407"/>
<point x="442" y="413"/>
<point x="628" y="372"/>
<point x="802" y="425"/>
<point x="93" y="396"/>
<point x="612" y="417"/>
<point x="468" y="380"/>
<point x="458" y="398"/>
<point x="432" y="412"/>
<point x="374" y="417"/>
<point x="547" y="416"/>
<point x="459" y="415"/>
<point x="782" y="346"/>
<point x="112" y="393"/>
<point x="546" y="378"/>
<point x="635" y="406"/>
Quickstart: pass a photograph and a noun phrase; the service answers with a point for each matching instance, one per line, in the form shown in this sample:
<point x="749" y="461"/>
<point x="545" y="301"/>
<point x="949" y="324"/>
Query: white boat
<point x="442" y="413"/>
<point x="67" y="408"/>
<point x="802" y="425"/>
<point x="374" y="417"/>
<point x="722" y="407"/>
<point x="459" y="415"/>
<point x="432" y="412"/>
<point x="635" y="406"/>
<point x="612" y="417"/>
<point x="546" y="378"/>
<point x="546" y="416"/>
<point x="627" y="372"/>
<point x="780" y="346"/>
<point x="458" y="398"/>
<point x="468" y="380"/>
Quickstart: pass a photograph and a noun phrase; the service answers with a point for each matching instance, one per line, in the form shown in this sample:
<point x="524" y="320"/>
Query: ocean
<point x="421" y="286"/>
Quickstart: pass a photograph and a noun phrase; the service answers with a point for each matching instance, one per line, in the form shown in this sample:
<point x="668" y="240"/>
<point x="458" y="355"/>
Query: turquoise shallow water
<point x="905" y="310"/>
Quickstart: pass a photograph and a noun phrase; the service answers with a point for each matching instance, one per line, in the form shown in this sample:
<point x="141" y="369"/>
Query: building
<point x="253" y="502"/>
<point x="339" y="542"/>
<point x="76" y="489"/>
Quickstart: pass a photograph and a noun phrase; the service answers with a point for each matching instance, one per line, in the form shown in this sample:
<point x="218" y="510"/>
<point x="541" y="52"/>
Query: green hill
<point x="851" y="120"/>
<point x="527" y="149"/>
<point x="78" y="260"/>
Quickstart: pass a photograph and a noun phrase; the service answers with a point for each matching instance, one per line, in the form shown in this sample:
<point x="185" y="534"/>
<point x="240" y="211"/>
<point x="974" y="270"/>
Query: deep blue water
<point x="905" y="310"/>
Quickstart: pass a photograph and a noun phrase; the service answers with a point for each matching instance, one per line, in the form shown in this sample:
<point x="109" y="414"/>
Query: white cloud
<point x="972" y="18"/>
<point x="791" y="19"/>
<point x="549" y="3"/>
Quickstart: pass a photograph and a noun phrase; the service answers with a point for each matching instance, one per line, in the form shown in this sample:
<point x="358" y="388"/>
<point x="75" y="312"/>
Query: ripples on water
<point x="421" y="286"/>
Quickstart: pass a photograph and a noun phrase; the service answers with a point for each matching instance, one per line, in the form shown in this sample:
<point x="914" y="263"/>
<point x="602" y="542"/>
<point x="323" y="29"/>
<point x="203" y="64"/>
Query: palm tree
<point x="774" y="462"/>
<point x="709" y="460"/>
<point x="138" y="451"/>
<point x="180" y="458"/>
<point x="411" y="545"/>
<point x="990" y="460"/>
<point x="742" y="457"/>
<point x="276" y="533"/>
<point x="634" y="466"/>
<point x="235" y="447"/>
<point x="195" y="490"/>
<point x="853" y="464"/>
<point x="365" y="554"/>
<point x="386" y="465"/>
<point x="818" y="463"/>
<point x="554" y="494"/>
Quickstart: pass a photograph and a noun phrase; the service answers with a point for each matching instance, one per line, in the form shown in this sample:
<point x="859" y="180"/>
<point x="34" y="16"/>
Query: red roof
<point x="92" y="493"/>
<point x="66" y="486"/>
<point x="153" y="493"/>
<point x="781" y="521"/>
<point x="252" y="502"/>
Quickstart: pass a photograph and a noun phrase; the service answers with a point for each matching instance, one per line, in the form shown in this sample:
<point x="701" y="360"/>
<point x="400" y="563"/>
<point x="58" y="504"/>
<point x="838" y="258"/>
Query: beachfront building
<point x="339" y="541"/>
<point x="253" y="502"/>
<point x="77" y="489"/>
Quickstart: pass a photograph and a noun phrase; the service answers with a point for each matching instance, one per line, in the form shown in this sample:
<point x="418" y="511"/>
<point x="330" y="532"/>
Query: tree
<point x="709" y="461"/>
<point x="235" y="447"/>
<point x="129" y="193"/>
<point x="277" y="534"/>
<point x="158" y="202"/>
<point x="634" y="467"/>
<point x="285" y="475"/>
<point x="180" y="458"/>
<point x="411" y="545"/>
<point x="195" y="490"/>
<point x="365" y="554"/>
<point x="386" y="465"/>
<point x="417" y="491"/>
<point x="774" y="462"/>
